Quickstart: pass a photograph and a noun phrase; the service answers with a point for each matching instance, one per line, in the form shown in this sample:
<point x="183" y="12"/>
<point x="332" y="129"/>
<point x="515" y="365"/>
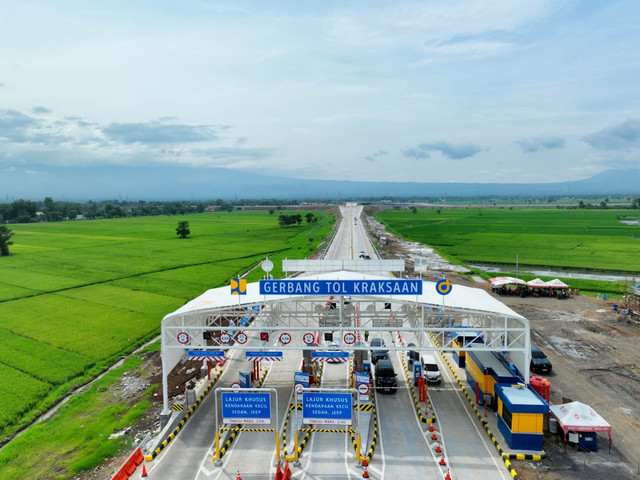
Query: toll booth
<point x="484" y="370"/>
<point x="461" y="339"/>
<point x="521" y="413"/>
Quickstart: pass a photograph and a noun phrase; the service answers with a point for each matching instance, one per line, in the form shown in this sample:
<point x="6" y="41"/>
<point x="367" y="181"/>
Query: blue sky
<point x="468" y="91"/>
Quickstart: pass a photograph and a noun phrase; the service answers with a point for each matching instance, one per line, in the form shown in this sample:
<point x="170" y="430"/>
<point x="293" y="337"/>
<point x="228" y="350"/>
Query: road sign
<point x="183" y="338"/>
<point x="241" y="338"/>
<point x="264" y="336"/>
<point x="334" y="356"/>
<point x="309" y="338"/>
<point x="245" y="379"/>
<point x="236" y="385"/>
<point x="225" y="338"/>
<point x="301" y="378"/>
<point x="444" y="286"/>
<point x="204" y="354"/>
<point x="267" y="265"/>
<point x="349" y="338"/>
<point x="285" y="338"/>
<point x="363" y="388"/>
<point x="341" y="287"/>
<point x="248" y="408"/>
<point x="299" y="388"/>
<point x="319" y="408"/>
<point x="268" y="356"/>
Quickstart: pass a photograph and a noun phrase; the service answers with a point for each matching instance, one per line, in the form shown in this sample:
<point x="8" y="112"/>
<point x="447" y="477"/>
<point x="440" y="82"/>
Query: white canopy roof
<point x="555" y="283"/>
<point x="462" y="297"/>
<point x="497" y="281"/>
<point x="578" y="417"/>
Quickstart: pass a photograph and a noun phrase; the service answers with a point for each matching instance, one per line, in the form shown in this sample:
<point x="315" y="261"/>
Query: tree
<point x="5" y="236"/>
<point x="414" y="210"/>
<point x="183" y="229"/>
<point x="310" y="217"/>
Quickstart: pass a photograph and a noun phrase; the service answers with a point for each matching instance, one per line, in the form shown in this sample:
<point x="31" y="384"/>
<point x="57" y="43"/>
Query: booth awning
<point x="578" y="417"/>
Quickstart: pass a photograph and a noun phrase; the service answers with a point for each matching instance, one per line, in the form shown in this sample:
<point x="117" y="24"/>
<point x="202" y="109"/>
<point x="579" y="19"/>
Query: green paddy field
<point x="577" y="239"/>
<point x="74" y="296"/>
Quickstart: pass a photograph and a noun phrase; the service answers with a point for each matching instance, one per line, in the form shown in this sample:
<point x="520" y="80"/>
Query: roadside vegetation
<point x="75" y="296"/>
<point x="580" y="239"/>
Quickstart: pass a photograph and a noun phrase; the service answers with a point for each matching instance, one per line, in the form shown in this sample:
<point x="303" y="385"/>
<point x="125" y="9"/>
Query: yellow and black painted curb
<point x="506" y="457"/>
<point x="151" y="455"/>
<point x="238" y="428"/>
<point x="407" y="375"/>
<point x="307" y="430"/>
<point x="374" y="440"/>
<point x="178" y="407"/>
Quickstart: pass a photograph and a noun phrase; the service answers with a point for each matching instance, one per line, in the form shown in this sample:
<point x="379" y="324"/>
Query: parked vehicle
<point x="412" y="357"/>
<point x="386" y="377"/>
<point x="539" y="361"/>
<point x="430" y="368"/>
<point x="378" y="353"/>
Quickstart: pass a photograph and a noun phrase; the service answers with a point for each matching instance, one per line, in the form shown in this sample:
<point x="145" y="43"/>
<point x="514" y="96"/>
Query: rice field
<point x="76" y="295"/>
<point x="569" y="238"/>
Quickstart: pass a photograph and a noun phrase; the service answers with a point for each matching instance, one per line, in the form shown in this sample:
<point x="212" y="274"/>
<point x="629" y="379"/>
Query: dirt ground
<point x="595" y="356"/>
<point x="596" y="360"/>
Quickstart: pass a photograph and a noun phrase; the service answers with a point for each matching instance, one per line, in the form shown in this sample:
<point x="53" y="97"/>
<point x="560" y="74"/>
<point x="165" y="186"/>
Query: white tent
<point x="536" y="282"/>
<point x="578" y="417"/>
<point x="498" y="281"/>
<point x="555" y="283"/>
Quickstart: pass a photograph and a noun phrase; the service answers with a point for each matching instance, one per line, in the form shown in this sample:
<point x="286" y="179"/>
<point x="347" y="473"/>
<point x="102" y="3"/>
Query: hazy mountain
<point x="172" y="182"/>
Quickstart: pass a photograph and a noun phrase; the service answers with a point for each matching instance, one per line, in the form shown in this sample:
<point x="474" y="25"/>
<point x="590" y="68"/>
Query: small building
<point x="484" y="370"/>
<point x="521" y="414"/>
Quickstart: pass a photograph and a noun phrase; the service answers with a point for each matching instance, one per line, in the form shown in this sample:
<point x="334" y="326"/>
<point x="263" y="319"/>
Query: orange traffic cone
<point x="431" y="429"/>
<point x="278" y="472"/>
<point x="365" y="474"/>
<point x="438" y="449"/>
<point x="442" y="462"/>
<point x="238" y="476"/>
<point x="447" y="476"/>
<point x="433" y="437"/>
<point x="144" y="471"/>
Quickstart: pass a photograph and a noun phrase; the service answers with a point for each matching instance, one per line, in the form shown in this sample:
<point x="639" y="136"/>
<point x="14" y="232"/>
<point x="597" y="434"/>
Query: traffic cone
<point x="447" y="476"/>
<point x="365" y="474"/>
<point x="438" y="449"/>
<point x="433" y="437"/>
<point x="144" y="471"/>
<point x="238" y="476"/>
<point x="278" y="472"/>
<point x="431" y="429"/>
<point x="442" y="462"/>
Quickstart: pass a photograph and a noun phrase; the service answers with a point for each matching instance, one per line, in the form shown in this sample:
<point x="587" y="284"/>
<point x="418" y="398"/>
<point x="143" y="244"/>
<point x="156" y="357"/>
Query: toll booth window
<point x="506" y="415"/>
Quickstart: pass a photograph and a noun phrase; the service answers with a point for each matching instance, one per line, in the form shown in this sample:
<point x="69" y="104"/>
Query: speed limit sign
<point x="225" y="338"/>
<point x="241" y="338"/>
<point x="349" y="338"/>
<point x="285" y="338"/>
<point x="308" y="338"/>
<point x="183" y="337"/>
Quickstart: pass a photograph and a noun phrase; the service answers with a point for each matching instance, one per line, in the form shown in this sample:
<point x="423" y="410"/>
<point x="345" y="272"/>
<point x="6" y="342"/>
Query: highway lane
<point x="403" y="446"/>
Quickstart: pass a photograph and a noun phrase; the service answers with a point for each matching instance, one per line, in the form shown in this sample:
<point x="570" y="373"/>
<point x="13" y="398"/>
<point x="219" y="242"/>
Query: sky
<point x="423" y="91"/>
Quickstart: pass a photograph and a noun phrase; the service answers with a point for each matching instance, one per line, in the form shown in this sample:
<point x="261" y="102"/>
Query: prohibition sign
<point x="241" y="338"/>
<point x="363" y="388"/>
<point x="183" y="337"/>
<point x="236" y="386"/>
<point x="299" y="388"/>
<point x="285" y="338"/>
<point x="308" y="338"/>
<point x="349" y="338"/>
<point x="444" y="286"/>
<point x="225" y="338"/>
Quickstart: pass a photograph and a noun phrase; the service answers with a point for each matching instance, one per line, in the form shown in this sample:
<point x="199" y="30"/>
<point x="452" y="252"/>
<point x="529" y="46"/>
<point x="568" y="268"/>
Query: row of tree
<point x="295" y="219"/>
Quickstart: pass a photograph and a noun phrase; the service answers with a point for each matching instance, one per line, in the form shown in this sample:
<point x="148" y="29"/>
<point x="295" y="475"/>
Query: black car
<point x="386" y="377"/>
<point x="539" y="361"/>
<point x="378" y="353"/>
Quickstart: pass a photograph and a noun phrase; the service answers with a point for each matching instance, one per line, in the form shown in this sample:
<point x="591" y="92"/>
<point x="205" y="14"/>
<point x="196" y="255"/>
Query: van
<point x="386" y="377"/>
<point x="430" y="368"/>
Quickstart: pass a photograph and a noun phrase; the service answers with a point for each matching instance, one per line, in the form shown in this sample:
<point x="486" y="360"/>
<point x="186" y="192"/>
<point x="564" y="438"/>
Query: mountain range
<point x="190" y="183"/>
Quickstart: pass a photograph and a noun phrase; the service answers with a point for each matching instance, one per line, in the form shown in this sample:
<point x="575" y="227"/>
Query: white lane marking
<point x="481" y="433"/>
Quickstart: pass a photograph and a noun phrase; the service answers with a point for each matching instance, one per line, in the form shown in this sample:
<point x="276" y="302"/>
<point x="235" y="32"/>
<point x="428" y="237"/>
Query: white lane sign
<point x="225" y="338"/>
<point x="308" y="338"/>
<point x="285" y="338"/>
<point x="349" y="338"/>
<point x="241" y="338"/>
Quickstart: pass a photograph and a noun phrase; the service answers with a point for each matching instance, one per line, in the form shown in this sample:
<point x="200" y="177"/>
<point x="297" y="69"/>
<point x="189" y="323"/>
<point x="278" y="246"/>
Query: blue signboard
<point x="301" y="378"/>
<point x="341" y="287"/>
<point x="204" y="354"/>
<point x="331" y="354"/>
<point x="246" y="408"/>
<point x="326" y="408"/>
<point x="261" y="355"/>
<point x="417" y="372"/>
<point x="245" y="379"/>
